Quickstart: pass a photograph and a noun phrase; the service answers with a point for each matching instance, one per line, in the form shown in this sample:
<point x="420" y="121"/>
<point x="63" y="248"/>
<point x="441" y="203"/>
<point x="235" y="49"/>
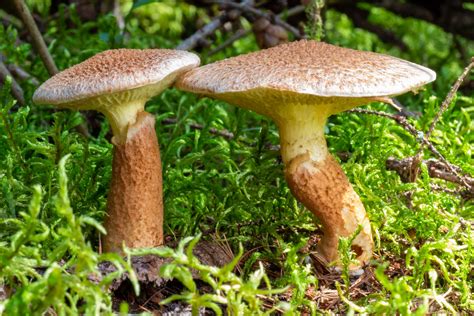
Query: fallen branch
<point x="204" y="32"/>
<point x="269" y="16"/>
<point x="447" y="101"/>
<point x="208" y="29"/>
<point x="36" y="38"/>
<point x="403" y="122"/>
<point x="16" y="90"/>
<point x="21" y="74"/>
<point x="242" y="33"/>
<point x="18" y="72"/>
<point x="436" y="169"/>
<point x="236" y="36"/>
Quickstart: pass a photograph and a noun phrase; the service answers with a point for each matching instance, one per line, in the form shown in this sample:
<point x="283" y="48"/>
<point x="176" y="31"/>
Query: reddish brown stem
<point x="135" y="203"/>
<point x="325" y="190"/>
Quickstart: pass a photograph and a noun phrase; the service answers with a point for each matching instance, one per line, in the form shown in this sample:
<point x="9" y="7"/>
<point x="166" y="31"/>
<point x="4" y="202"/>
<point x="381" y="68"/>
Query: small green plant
<point x="348" y="256"/>
<point x="61" y="279"/>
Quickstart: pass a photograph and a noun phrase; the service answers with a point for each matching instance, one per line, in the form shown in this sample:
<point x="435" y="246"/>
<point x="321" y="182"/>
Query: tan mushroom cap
<point x="119" y="74"/>
<point x="309" y="67"/>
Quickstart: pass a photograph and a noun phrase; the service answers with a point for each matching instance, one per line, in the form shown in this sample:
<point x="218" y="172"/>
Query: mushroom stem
<point x="317" y="180"/>
<point x="135" y="204"/>
<point x="120" y="118"/>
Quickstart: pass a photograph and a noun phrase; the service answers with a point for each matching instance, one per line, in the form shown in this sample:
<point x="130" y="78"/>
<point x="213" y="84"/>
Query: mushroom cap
<point x="309" y="67"/>
<point x="112" y="74"/>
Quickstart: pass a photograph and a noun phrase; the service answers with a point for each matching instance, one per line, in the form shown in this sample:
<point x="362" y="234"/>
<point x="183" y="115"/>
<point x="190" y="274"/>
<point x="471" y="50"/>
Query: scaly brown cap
<point x="309" y="67"/>
<point x="113" y="72"/>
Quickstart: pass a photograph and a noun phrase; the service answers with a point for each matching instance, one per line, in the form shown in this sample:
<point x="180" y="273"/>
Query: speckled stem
<point x="135" y="204"/>
<point x="316" y="180"/>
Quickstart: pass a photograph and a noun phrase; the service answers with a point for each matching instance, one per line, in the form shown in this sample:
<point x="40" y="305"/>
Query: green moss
<point x="234" y="187"/>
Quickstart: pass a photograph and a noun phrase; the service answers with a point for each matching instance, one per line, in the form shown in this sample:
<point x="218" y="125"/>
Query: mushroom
<point x="299" y="85"/>
<point x="118" y="83"/>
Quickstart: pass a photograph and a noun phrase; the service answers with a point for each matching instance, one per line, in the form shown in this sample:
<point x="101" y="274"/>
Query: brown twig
<point x="235" y="37"/>
<point x="402" y="121"/>
<point x="202" y="33"/>
<point x="16" y="90"/>
<point x="436" y="169"/>
<point x="466" y="194"/>
<point x="447" y="101"/>
<point x="22" y="74"/>
<point x="403" y="109"/>
<point x="242" y="33"/>
<point x="36" y="38"/>
<point x="252" y="10"/>
<point x="207" y="30"/>
<point x="18" y="72"/>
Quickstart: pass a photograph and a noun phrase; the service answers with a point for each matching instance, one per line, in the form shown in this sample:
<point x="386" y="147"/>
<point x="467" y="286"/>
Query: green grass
<point x="51" y="207"/>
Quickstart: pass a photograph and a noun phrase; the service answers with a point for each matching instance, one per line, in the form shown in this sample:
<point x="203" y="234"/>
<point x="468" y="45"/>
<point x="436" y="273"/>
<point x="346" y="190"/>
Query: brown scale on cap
<point x="118" y="83"/>
<point x="299" y="85"/>
<point x="313" y="68"/>
<point x="113" y="71"/>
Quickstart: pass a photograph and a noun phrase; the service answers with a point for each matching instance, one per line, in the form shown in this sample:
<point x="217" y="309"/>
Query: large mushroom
<point x="299" y="85"/>
<point x="118" y="83"/>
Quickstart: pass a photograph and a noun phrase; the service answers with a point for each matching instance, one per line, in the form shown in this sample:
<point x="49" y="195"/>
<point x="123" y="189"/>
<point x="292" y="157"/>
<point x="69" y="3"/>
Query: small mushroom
<point x="299" y="85"/>
<point x="118" y="83"/>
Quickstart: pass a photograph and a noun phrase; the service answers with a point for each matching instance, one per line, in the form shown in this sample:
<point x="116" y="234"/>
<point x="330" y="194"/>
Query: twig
<point x="204" y="32"/>
<point x="402" y="120"/>
<point x="293" y="11"/>
<point x="242" y="33"/>
<point x="250" y="9"/>
<point x="235" y="37"/>
<point x="454" y="176"/>
<point x="36" y="38"/>
<point x="18" y="72"/>
<point x="22" y="74"/>
<point x="436" y="187"/>
<point x="16" y="90"/>
<point x="8" y="19"/>
<point x="402" y="109"/>
<point x="408" y="127"/>
<point x="207" y="30"/>
<point x="447" y="101"/>
<point x="436" y="169"/>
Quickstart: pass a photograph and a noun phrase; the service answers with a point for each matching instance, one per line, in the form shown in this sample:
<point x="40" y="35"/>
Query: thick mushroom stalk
<point x="118" y="83"/>
<point x="317" y="180"/>
<point x="135" y="202"/>
<point x="299" y="85"/>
